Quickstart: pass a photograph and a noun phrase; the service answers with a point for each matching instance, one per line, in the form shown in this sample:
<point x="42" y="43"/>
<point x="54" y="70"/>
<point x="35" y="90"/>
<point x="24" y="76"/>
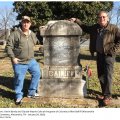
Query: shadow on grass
<point x="89" y="57"/>
<point x="86" y="57"/>
<point x="6" y="81"/>
<point x="3" y="54"/>
<point x="7" y="87"/>
<point x="92" y="94"/>
<point x="7" y="94"/>
<point x="118" y="58"/>
<point x="3" y="57"/>
<point x="39" y="56"/>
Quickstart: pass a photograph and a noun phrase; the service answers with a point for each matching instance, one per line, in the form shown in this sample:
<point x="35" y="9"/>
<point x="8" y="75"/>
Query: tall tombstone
<point x="61" y="75"/>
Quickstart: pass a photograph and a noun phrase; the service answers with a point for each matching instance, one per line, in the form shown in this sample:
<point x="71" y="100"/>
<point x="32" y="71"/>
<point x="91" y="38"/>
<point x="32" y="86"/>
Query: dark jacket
<point x="111" y="40"/>
<point x="21" y="46"/>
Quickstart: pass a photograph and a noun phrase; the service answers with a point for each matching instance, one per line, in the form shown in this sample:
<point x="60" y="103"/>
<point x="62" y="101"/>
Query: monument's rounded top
<point x="62" y="27"/>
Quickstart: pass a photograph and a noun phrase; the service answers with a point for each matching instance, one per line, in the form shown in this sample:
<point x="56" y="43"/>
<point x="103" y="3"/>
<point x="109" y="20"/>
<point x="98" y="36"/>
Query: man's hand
<point x="72" y="19"/>
<point x="16" y="60"/>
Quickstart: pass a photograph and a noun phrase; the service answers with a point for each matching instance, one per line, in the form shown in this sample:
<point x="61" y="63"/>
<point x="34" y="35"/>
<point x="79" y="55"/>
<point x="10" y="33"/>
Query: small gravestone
<point x="61" y="74"/>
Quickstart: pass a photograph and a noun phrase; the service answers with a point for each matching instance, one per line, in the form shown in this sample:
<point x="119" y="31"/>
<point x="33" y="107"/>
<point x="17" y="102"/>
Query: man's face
<point x="26" y="25"/>
<point x="103" y="19"/>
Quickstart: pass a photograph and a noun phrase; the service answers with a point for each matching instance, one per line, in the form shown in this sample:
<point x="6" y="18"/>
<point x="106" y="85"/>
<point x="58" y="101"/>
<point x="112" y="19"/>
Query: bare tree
<point x="7" y="20"/>
<point x="114" y="14"/>
<point x="118" y="17"/>
<point x="111" y="15"/>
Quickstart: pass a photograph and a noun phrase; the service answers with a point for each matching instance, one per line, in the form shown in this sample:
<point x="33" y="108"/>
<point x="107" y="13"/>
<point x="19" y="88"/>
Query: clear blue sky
<point x="7" y="4"/>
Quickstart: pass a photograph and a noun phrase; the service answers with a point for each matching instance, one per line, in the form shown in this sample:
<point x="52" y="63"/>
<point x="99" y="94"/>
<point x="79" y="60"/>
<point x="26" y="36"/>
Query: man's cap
<point x="26" y="18"/>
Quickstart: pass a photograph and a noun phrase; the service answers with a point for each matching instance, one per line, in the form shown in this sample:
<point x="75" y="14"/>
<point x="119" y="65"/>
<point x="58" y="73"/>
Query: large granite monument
<point x="61" y="75"/>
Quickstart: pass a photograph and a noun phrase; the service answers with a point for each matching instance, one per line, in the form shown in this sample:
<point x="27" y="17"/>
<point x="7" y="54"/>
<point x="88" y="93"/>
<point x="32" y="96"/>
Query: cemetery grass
<point x="93" y="88"/>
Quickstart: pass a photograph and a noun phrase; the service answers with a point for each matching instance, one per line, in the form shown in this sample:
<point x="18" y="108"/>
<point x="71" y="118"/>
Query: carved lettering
<point x="60" y="74"/>
<point x="51" y="73"/>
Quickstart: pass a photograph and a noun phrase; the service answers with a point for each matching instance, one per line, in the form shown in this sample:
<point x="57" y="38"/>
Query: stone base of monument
<point x="65" y="88"/>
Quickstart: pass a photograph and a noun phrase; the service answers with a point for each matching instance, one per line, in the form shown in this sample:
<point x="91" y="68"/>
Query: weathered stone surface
<point x="61" y="50"/>
<point x="66" y="88"/>
<point x="61" y="75"/>
<point x="60" y="28"/>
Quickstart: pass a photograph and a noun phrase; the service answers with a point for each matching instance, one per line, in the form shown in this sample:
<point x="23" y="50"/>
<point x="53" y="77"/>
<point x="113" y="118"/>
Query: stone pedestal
<point x="61" y="75"/>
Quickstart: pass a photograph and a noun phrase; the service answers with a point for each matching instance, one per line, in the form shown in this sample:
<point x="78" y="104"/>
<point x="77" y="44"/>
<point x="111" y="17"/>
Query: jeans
<point x="20" y="71"/>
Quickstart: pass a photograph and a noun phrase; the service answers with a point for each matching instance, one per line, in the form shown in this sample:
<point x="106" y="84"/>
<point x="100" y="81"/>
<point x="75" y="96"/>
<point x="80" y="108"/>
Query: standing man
<point x="105" y="40"/>
<point x="20" y="48"/>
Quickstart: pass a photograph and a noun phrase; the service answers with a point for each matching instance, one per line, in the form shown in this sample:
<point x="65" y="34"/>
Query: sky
<point x="7" y="4"/>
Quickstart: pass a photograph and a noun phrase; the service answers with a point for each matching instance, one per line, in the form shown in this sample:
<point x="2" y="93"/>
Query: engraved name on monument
<point x="61" y="75"/>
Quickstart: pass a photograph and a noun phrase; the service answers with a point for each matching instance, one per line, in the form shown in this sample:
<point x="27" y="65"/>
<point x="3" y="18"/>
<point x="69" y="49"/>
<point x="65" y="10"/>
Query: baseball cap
<point x="26" y="18"/>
